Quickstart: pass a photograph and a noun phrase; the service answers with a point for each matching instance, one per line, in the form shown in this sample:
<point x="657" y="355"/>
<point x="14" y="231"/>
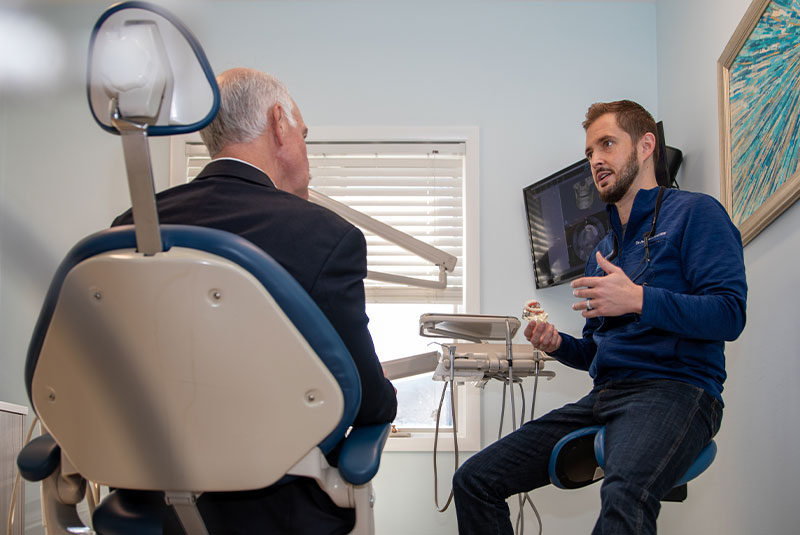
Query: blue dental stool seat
<point x="578" y="460"/>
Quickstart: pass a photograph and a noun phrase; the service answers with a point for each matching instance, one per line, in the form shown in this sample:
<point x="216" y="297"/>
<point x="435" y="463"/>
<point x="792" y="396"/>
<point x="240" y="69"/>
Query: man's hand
<point x="612" y="295"/>
<point x="543" y="336"/>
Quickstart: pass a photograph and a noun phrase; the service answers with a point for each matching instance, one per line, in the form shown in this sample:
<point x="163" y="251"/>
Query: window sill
<point x="424" y="442"/>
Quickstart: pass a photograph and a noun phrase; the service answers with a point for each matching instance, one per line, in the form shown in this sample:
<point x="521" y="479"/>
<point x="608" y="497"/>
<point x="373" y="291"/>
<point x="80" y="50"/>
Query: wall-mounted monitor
<point x="669" y="161"/>
<point x="567" y="219"/>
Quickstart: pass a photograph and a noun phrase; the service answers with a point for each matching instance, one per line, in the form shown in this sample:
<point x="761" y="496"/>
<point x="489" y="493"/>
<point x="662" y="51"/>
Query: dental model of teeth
<point x="533" y="312"/>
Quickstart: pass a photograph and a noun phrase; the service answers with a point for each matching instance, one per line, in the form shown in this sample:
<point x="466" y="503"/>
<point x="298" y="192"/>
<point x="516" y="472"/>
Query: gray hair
<point x="246" y="96"/>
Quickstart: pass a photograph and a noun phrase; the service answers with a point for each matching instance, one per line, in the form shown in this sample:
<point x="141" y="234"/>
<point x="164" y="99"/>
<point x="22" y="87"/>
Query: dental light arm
<point x="411" y="366"/>
<point x="445" y="261"/>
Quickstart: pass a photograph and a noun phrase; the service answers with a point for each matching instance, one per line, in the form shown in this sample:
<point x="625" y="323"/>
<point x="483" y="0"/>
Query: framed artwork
<point x="759" y="106"/>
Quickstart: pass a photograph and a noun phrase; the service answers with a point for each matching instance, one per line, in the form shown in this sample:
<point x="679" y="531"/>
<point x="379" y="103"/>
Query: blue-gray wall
<point x="524" y="73"/>
<point x="753" y="485"/>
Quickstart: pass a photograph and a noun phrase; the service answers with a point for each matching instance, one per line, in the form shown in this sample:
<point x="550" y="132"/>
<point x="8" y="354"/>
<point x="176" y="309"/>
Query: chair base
<point x="677" y="494"/>
<point x="124" y="512"/>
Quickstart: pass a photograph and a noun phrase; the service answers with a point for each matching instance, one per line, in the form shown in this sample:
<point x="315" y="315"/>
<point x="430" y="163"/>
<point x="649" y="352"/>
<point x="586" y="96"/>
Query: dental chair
<point x="578" y="460"/>
<point x="175" y="360"/>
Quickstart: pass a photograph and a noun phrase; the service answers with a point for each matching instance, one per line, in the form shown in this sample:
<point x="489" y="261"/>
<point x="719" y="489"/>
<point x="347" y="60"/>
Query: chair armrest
<point x="39" y="458"/>
<point x="361" y="453"/>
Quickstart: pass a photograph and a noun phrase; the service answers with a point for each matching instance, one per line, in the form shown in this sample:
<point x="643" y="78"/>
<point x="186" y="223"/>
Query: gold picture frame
<point x="759" y="110"/>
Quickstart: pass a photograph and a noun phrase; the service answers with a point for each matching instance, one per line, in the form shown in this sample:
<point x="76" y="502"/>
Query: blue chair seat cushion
<point x="700" y="464"/>
<point x="575" y="458"/>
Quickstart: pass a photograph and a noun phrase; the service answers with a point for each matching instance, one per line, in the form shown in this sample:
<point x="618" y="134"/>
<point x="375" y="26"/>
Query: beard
<point x="625" y="178"/>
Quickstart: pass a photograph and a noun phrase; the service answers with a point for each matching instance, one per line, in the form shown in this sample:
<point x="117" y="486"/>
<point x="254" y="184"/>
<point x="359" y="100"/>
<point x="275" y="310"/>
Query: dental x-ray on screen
<point x="566" y="220"/>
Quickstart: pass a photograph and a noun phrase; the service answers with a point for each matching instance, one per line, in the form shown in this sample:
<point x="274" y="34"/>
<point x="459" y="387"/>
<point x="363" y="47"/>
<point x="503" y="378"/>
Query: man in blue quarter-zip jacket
<point x="661" y="295"/>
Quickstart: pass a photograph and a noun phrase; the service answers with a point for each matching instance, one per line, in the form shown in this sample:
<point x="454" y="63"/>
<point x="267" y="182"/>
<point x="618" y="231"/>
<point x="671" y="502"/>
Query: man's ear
<point x="278" y="122"/>
<point x="647" y="144"/>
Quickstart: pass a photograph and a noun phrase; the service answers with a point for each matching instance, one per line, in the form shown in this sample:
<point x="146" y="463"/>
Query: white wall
<point x="753" y="485"/>
<point x="524" y="72"/>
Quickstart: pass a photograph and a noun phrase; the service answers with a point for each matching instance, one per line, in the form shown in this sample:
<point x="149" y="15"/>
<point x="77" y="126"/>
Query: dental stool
<point x="170" y="361"/>
<point x="578" y="460"/>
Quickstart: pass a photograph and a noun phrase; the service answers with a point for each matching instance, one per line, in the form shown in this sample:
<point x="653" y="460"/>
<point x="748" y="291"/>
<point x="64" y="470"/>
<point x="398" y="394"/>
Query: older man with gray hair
<point x="259" y="123"/>
<point x="256" y="186"/>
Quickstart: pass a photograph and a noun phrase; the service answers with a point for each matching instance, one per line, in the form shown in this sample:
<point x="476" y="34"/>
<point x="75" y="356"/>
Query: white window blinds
<point x="416" y="188"/>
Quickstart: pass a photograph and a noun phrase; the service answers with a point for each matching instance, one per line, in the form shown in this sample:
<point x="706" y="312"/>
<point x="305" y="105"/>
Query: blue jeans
<point x="654" y="431"/>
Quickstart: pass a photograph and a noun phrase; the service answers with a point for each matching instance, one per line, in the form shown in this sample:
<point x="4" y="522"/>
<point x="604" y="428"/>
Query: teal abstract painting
<point x="765" y="109"/>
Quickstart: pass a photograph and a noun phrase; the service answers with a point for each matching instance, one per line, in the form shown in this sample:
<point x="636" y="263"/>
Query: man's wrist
<point x="639" y="299"/>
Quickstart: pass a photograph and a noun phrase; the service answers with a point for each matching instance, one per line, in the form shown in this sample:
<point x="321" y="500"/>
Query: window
<point x="424" y="183"/>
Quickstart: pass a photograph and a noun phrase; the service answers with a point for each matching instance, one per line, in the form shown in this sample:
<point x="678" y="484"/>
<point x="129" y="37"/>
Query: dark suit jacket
<point x="323" y="252"/>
